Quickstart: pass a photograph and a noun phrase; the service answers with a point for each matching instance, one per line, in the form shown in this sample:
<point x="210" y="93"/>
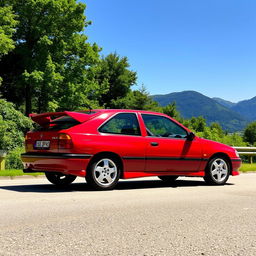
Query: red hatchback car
<point x="106" y="145"/>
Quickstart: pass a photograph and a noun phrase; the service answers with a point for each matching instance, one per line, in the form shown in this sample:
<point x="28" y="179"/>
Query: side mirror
<point x="191" y="136"/>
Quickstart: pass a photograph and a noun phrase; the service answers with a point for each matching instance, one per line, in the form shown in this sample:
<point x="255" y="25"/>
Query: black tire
<point x="103" y="173"/>
<point x="60" y="179"/>
<point x="168" y="179"/>
<point x="217" y="171"/>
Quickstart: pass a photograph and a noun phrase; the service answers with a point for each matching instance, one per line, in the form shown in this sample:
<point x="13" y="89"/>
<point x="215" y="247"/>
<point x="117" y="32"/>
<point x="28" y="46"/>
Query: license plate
<point x="42" y="144"/>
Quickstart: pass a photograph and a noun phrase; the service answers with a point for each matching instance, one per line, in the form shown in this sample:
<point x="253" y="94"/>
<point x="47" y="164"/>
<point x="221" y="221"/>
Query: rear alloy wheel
<point x="59" y="179"/>
<point x="103" y="173"/>
<point x="217" y="171"/>
<point x="168" y="179"/>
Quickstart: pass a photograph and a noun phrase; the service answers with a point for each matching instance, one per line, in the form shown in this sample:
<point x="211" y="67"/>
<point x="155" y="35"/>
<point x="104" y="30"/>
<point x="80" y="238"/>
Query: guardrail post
<point x="2" y="160"/>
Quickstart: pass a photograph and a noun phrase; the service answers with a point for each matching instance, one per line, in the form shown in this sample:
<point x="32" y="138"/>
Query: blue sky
<point x="204" y="45"/>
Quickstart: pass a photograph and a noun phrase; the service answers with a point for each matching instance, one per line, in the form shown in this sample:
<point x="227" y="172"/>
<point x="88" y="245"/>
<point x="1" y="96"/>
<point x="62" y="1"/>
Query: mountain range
<point x="231" y="116"/>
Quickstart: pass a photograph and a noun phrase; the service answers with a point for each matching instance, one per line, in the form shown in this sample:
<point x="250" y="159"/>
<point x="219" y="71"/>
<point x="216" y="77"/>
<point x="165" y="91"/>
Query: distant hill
<point x="246" y="108"/>
<point x="225" y="103"/>
<point x="191" y="103"/>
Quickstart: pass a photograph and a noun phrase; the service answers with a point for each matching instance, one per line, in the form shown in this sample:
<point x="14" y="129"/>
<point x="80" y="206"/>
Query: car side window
<point x="161" y="126"/>
<point x="123" y="123"/>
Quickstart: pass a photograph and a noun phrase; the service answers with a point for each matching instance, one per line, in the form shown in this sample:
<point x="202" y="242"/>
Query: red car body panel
<point x="139" y="158"/>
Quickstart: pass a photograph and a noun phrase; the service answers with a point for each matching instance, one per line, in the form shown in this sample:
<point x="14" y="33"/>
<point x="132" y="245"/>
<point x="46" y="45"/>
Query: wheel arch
<point x="107" y="154"/>
<point x="224" y="155"/>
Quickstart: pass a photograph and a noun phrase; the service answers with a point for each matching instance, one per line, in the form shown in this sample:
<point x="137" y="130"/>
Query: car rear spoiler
<point x="46" y="118"/>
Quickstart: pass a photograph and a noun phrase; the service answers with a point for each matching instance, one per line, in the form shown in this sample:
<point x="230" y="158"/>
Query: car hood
<point x="217" y="145"/>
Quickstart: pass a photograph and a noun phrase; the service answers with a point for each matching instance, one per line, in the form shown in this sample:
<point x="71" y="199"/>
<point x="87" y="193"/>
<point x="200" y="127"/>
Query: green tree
<point x="233" y="139"/>
<point x="197" y="124"/>
<point x="13" y="126"/>
<point x="250" y="133"/>
<point x="114" y="78"/>
<point x="215" y="132"/>
<point x="137" y="99"/>
<point x="7" y="25"/>
<point x="172" y="111"/>
<point x="48" y="69"/>
<point x="217" y="128"/>
<point x="210" y="134"/>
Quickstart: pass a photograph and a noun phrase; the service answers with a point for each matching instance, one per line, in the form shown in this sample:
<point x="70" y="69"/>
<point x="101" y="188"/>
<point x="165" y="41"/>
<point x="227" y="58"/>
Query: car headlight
<point x="237" y="153"/>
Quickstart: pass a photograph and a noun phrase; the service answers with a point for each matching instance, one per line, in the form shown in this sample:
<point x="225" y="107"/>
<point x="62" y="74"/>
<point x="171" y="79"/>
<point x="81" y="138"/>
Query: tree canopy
<point x="250" y="133"/>
<point x="7" y="28"/>
<point x="137" y="99"/>
<point x="172" y="111"/>
<point x="51" y="56"/>
<point x="114" y="79"/>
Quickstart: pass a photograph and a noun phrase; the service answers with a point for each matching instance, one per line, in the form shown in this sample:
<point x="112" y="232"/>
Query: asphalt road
<point x="141" y="217"/>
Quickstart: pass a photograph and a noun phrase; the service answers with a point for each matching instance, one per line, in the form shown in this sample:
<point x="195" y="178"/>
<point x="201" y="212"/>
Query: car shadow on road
<point x="126" y="185"/>
<point x="122" y="185"/>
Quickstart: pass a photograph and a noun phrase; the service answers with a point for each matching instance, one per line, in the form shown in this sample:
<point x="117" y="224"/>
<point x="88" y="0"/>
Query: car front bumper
<point x="236" y="164"/>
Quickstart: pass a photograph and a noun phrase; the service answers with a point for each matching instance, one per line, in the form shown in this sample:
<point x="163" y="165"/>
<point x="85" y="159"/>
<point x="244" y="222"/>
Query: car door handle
<point x="154" y="144"/>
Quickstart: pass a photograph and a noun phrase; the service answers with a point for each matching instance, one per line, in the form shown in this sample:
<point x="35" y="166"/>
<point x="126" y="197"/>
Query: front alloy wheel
<point x="217" y="172"/>
<point x="103" y="174"/>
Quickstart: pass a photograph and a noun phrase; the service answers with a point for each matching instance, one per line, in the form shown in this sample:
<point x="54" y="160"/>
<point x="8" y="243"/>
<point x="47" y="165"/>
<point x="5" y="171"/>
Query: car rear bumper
<point x="67" y="163"/>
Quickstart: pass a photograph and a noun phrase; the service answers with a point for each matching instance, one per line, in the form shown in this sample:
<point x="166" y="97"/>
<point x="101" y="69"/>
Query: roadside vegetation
<point x="246" y="167"/>
<point x="14" y="173"/>
<point x="47" y="64"/>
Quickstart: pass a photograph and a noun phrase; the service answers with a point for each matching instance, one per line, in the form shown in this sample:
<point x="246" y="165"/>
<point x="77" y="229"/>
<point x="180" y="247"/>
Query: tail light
<point x="26" y="142"/>
<point x="65" y="141"/>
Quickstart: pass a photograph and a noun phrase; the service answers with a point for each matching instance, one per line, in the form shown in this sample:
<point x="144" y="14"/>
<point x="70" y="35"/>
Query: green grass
<point x="12" y="173"/>
<point x="248" y="167"/>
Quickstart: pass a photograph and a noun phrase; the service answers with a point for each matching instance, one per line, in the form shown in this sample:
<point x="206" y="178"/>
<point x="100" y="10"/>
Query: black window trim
<point x="185" y="138"/>
<point x="112" y="116"/>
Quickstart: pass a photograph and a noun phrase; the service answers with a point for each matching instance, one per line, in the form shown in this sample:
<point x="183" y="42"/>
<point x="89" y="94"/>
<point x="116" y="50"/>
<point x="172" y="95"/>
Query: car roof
<point x="98" y="111"/>
<point x="126" y="110"/>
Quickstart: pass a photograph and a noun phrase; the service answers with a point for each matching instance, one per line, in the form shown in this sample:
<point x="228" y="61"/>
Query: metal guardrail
<point x="246" y="151"/>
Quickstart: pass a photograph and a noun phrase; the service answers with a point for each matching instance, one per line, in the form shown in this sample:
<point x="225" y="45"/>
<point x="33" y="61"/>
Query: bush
<point x="13" y="126"/>
<point x="13" y="160"/>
